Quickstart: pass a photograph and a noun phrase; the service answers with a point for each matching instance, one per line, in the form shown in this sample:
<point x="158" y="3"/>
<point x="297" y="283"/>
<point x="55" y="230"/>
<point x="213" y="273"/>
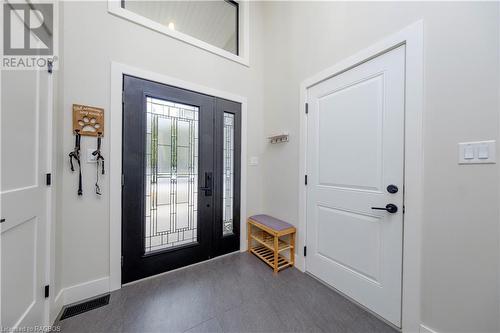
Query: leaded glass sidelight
<point x="171" y="174"/>
<point x="228" y="174"/>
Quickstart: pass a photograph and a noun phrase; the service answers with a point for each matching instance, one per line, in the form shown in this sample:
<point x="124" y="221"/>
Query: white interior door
<point x="24" y="163"/>
<point x="355" y="150"/>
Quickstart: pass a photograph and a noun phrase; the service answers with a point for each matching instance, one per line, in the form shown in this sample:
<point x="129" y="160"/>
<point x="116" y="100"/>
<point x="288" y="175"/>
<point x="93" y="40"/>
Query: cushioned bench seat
<point x="271" y="222"/>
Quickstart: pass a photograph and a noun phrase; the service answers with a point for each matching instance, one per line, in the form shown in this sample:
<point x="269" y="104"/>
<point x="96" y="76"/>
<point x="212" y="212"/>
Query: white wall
<point x="296" y="40"/>
<point x="460" y="228"/>
<point x="93" y="38"/>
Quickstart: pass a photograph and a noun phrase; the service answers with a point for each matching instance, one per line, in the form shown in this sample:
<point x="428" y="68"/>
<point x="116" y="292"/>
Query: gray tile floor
<point x="236" y="293"/>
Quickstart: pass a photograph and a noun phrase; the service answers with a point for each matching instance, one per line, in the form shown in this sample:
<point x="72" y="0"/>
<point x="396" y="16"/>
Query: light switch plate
<point x="91" y="158"/>
<point x="477" y="152"/>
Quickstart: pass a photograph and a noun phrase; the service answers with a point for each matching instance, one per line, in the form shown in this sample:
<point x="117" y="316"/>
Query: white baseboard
<point x="56" y="306"/>
<point x="82" y="291"/>
<point x="300" y="263"/>
<point x="60" y="297"/>
<point x="426" y="329"/>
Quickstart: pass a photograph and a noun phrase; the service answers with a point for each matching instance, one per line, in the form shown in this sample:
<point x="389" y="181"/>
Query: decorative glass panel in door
<point x="226" y="232"/>
<point x="228" y="174"/>
<point x="171" y="174"/>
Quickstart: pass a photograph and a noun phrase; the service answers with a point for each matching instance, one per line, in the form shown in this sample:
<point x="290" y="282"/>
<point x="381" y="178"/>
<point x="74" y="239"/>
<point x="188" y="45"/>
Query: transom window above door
<point x="212" y="25"/>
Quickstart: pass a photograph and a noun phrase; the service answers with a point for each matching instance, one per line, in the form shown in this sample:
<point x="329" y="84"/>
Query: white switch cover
<point x="478" y="152"/>
<point x="254" y="160"/>
<point x="469" y="152"/>
<point x="483" y="151"/>
<point x="91" y="158"/>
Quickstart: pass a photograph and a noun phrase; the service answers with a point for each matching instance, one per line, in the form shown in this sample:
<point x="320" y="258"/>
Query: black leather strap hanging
<point x="99" y="160"/>
<point x="75" y="154"/>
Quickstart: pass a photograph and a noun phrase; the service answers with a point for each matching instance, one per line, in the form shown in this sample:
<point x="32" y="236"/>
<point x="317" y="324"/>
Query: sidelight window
<point x="228" y="174"/>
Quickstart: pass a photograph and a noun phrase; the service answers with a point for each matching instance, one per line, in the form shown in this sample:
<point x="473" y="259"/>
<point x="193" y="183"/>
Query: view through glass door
<point x="171" y="174"/>
<point x="180" y="199"/>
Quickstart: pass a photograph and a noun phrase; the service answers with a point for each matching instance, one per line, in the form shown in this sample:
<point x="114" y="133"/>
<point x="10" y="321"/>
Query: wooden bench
<point x="268" y="237"/>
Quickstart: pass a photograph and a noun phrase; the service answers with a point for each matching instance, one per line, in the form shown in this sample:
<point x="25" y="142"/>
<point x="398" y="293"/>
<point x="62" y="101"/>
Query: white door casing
<point x="24" y="194"/>
<point x="355" y="149"/>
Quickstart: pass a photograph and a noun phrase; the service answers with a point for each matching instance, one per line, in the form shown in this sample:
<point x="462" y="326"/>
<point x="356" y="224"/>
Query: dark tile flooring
<point x="235" y="293"/>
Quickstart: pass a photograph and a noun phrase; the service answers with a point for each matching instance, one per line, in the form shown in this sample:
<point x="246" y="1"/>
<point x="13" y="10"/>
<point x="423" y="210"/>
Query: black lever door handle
<point x="390" y="208"/>
<point x="208" y="184"/>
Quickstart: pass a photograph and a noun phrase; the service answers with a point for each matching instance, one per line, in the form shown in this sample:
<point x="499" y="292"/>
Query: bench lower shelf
<point x="267" y="240"/>
<point x="268" y="257"/>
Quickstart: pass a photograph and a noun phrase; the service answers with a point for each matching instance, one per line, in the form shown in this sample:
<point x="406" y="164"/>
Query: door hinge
<point x="123" y="179"/>
<point x="122" y="261"/>
<point x="305" y="251"/>
<point x="307" y="108"/>
<point x="48" y="179"/>
<point x="404" y="209"/>
<point x="47" y="291"/>
<point x="123" y="97"/>
<point x="305" y="180"/>
<point x="2" y="220"/>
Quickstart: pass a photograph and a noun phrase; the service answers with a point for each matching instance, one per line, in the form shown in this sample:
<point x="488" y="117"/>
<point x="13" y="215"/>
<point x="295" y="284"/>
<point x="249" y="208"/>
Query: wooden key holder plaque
<point x="88" y="120"/>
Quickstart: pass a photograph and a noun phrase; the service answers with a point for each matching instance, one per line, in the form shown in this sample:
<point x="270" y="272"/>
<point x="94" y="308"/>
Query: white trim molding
<point x="426" y="329"/>
<point x="114" y="127"/>
<point x="115" y="8"/>
<point x="82" y="291"/>
<point x="56" y="307"/>
<point x="412" y="38"/>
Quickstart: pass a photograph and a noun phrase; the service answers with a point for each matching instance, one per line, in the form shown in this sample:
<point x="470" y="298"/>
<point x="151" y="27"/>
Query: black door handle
<point x="208" y="184"/>
<point x="390" y="208"/>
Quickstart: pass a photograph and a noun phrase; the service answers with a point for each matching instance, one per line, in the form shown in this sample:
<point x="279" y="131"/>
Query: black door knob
<point x="390" y="208"/>
<point x="392" y="189"/>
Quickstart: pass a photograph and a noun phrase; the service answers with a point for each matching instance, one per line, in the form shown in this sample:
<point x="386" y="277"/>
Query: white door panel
<point x="337" y="229"/>
<point x="355" y="149"/>
<point x="349" y="145"/>
<point x="18" y="169"/>
<point x="24" y="197"/>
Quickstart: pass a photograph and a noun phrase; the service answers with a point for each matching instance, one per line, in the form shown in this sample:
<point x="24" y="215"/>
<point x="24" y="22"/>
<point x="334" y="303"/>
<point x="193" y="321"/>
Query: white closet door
<point x="355" y="151"/>
<point x="24" y="163"/>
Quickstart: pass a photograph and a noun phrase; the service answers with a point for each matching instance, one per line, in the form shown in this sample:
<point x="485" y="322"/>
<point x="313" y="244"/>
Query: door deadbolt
<point x="392" y="189"/>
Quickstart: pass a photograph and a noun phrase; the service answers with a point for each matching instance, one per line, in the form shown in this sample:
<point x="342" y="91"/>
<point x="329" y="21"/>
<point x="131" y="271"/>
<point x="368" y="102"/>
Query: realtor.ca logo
<point x="29" y="38"/>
